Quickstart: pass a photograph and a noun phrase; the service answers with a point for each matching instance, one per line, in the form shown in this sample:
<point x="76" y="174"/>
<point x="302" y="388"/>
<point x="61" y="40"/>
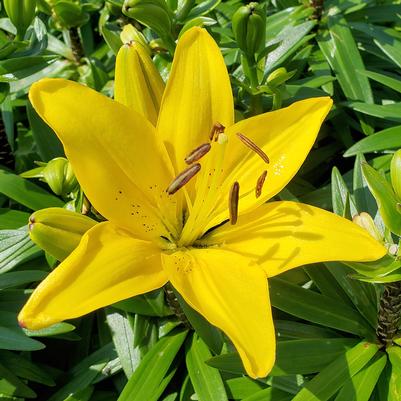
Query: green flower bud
<point x="249" y="28"/>
<point x="155" y="14"/>
<point x="364" y="220"/>
<point x="21" y="14"/>
<point x="69" y="14"/>
<point x="58" y="231"/>
<point x="59" y="176"/>
<point x="395" y="173"/>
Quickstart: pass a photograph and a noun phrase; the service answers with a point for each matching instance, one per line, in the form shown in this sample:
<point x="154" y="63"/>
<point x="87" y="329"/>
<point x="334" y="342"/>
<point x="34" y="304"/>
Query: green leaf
<point x="269" y="394"/>
<point x="333" y="377"/>
<point x="385" y="197"/>
<point x="123" y="339"/>
<point x="289" y="329"/>
<point x="147" y="382"/>
<point x="241" y="387"/>
<point x="394" y="384"/>
<point x="26" y="193"/>
<point x="54" y="330"/>
<point x="10" y="385"/>
<point x="15" y="279"/>
<point x="83" y="395"/>
<point x="205" y="379"/>
<point x="391" y="111"/>
<point x="386" y="139"/>
<point x="47" y="143"/>
<point x="11" y="219"/>
<point x="316" y="308"/>
<point x="13" y="338"/>
<point x="16" y="247"/>
<point x="385" y="80"/>
<point x="341" y="195"/>
<point x="361" y="386"/>
<point x="387" y="39"/>
<point x="339" y="47"/>
<point x="24" y="368"/>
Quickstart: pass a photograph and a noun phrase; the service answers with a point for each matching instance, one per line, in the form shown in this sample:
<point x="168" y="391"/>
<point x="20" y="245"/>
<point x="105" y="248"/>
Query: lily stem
<point x="76" y="45"/>
<point x="389" y="317"/>
<point x="174" y="305"/>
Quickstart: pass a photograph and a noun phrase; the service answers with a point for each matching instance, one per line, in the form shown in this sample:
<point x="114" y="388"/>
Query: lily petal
<point x="279" y="236"/>
<point x="197" y="96"/>
<point x="107" y="266"/>
<point x="115" y="154"/>
<point x="232" y="296"/>
<point x="137" y="83"/>
<point x="285" y="136"/>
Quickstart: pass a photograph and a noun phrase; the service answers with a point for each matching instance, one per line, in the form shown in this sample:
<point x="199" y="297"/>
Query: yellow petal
<point x="114" y="152"/>
<point x="138" y="84"/>
<point x="231" y="295"/>
<point x="279" y="236"/>
<point x="198" y="95"/>
<point x="285" y="136"/>
<point x="107" y="266"/>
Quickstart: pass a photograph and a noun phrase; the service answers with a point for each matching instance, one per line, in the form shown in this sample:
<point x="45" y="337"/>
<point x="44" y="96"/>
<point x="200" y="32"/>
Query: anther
<point x="183" y="178"/>
<point x="216" y="130"/>
<point x="252" y="145"/>
<point x="259" y="184"/>
<point x="233" y="203"/>
<point x="197" y="153"/>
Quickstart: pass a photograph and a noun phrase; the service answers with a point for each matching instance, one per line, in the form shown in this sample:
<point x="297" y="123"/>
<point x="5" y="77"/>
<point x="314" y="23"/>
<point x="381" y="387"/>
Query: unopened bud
<point x="395" y="173"/>
<point x="138" y="84"/>
<point x="21" y="14"/>
<point x="155" y="14"/>
<point x="249" y="28"/>
<point x="58" y="231"/>
<point x="364" y="220"/>
<point x="69" y="14"/>
<point x="59" y="176"/>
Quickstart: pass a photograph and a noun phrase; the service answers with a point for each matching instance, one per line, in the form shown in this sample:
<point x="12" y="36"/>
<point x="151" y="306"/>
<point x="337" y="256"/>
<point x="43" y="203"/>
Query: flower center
<point x="206" y="163"/>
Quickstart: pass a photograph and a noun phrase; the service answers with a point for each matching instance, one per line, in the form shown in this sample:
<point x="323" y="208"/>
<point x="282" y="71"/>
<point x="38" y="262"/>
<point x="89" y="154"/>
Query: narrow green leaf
<point x="54" y="330"/>
<point x="361" y="386"/>
<point x="333" y="377"/>
<point x="385" y="80"/>
<point x="241" y="387"/>
<point x="339" y="47"/>
<point x="26" y="192"/>
<point x="394" y="383"/>
<point x="269" y="394"/>
<point x="12" y="219"/>
<point x="340" y="195"/>
<point x="123" y="339"/>
<point x="145" y="383"/>
<point x="10" y="385"/>
<point x="386" y="139"/>
<point x="385" y="198"/>
<point x="316" y="308"/>
<point x="205" y="379"/>
<point x="15" y="279"/>
<point x="391" y="111"/>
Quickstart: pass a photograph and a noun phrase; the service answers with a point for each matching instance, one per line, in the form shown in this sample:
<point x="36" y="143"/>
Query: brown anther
<point x="216" y="130"/>
<point x="183" y="178"/>
<point x="233" y="203"/>
<point x="197" y="153"/>
<point x="259" y="184"/>
<point x="252" y="145"/>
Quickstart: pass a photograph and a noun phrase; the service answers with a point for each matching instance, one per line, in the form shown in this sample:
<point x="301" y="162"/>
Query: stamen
<point x="259" y="184"/>
<point x="216" y="130"/>
<point x="197" y="153"/>
<point x="183" y="178"/>
<point x="252" y="145"/>
<point x="233" y="203"/>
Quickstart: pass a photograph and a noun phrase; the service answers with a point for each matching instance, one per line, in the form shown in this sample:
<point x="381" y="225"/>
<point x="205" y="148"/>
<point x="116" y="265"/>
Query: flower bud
<point x="395" y="173"/>
<point x="364" y="220"/>
<point x="21" y="14"/>
<point x="130" y="34"/>
<point x="69" y="14"/>
<point x="249" y="28"/>
<point x="58" y="231"/>
<point x="59" y="176"/>
<point x="138" y="84"/>
<point x="155" y="14"/>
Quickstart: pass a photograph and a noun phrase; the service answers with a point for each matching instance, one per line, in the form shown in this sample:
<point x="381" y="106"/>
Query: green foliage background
<point x="326" y="319"/>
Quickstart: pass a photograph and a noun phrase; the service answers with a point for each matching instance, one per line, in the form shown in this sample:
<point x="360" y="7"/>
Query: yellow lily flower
<point x="185" y="197"/>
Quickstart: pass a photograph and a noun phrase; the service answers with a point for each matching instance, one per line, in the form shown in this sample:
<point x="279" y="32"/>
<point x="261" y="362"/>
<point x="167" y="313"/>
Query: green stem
<point x="76" y="45"/>
<point x="251" y="72"/>
<point x="174" y="305"/>
<point x="389" y="317"/>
